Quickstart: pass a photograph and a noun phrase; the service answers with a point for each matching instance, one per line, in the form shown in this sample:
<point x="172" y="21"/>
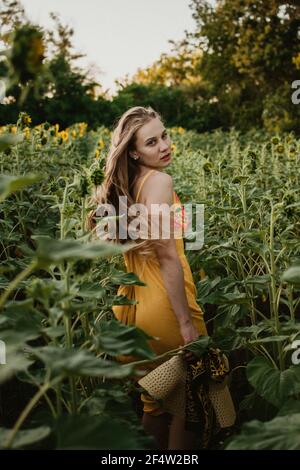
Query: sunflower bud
<point x="275" y="140"/>
<point x="27" y="53"/>
<point x="280" y="149"/>
<point x="97" y="176"/>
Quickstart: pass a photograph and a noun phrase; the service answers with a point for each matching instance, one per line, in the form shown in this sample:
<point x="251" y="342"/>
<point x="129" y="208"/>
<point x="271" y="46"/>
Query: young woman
<point x="167" y="308"/>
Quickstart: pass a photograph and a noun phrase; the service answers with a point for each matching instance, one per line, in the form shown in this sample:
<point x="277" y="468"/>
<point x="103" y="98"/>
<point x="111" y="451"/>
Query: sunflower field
<point x="61" y="386"/>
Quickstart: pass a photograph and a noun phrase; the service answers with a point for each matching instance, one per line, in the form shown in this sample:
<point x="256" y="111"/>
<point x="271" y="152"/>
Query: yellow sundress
<point x="154" y="313"/>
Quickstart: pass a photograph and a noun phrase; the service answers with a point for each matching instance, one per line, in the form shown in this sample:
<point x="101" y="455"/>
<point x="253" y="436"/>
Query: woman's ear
<point x="133" y="155"/>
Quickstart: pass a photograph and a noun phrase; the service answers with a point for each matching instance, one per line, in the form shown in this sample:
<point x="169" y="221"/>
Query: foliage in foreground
<point x="58" y="287"/>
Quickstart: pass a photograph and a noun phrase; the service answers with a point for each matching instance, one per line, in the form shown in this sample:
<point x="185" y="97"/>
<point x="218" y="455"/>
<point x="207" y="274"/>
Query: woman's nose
<point x="163" y="145"/>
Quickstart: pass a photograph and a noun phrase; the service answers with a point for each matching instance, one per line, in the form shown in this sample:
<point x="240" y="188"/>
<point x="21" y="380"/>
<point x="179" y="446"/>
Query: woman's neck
<point x="143" y="170"/>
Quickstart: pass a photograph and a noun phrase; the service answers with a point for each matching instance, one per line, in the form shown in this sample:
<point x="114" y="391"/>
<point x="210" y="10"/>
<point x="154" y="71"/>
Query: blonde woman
<point x="167" y="308"/>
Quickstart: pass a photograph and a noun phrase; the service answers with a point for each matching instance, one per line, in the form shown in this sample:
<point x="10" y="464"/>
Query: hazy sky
<point x="117" y="36"/>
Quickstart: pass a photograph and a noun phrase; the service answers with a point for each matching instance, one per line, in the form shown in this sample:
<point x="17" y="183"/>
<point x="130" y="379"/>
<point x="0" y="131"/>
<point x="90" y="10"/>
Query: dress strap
<point x="142" y="183"/>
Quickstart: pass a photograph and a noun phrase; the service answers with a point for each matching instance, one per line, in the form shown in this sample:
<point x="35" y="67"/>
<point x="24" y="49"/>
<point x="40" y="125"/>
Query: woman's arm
<point x="172" y="274"/>
<point x="161" y="192"/>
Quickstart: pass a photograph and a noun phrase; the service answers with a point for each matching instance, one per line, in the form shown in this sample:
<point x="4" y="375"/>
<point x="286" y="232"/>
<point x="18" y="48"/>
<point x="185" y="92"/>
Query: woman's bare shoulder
<point x="158" y="187"/>
<point x="159" y="177"/>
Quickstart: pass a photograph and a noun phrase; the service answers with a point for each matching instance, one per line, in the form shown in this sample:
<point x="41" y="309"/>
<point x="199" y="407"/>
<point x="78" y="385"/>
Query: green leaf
<point x="70" y="362"/>
<point x="55" y="251"/>
<point x="129" y="279"/>
<point x="91" y="290"/>
<point x="265" y="279"/>
<point x="253" y="330"/>
<point x="290" y="407"/>
<point x="8" y="140"/>
<point x="281" y="433"/>
<point x="24" y="437"/>
<point x="94" y="432"/>
<point x="16" y="359"/>
<point x="45" y="289"/>
<point x="227" y="339"/>
<point x="116" y="338"/>
<point x="54" y="331"/>
<point x="292" y="275"/>
<point x="271" y="383"/>
<point x="10" y="184"/>
<point x="110" y="399"/>
<point x="254" y="234"/>
<point x="221" y="298"/>
<point x="199" y="346"/>
<point x="269" y="339"/>
<point x="123" y="300"/>
<point x="22" y="317"/>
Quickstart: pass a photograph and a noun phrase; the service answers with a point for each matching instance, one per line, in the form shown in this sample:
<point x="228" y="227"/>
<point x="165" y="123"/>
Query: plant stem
<point x="19" y="278"/>
<point x="26" y="411"/>
<point x="62" y="213"/>
<point x="69" y="342"/>
<point x="273" y="293"/>
<point x="83" y="215"/>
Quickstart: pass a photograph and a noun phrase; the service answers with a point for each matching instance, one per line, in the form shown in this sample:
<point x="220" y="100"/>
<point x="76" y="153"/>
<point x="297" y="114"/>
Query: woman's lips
<point x="166" y="157"/>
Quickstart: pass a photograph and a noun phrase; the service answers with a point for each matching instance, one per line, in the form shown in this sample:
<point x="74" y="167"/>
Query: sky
<point x="117" y="36"/>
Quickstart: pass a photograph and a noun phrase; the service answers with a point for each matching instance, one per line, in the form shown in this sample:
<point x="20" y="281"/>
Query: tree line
<point x="235" y="69"/>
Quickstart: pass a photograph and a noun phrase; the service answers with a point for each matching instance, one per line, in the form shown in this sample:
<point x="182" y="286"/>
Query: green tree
<point x="66" y="94"/>
<point x="250" y="50"/>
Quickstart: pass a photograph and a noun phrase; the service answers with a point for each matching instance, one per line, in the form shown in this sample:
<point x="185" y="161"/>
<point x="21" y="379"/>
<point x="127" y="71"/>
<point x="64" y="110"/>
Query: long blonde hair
<point x="121" y="172"/>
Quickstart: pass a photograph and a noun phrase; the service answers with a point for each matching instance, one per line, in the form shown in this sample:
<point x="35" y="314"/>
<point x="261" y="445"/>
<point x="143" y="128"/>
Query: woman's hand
<point x="189" y="333"/>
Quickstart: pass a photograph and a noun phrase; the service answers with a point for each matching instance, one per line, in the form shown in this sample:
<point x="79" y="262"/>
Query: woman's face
<point x="152" y="144"/>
